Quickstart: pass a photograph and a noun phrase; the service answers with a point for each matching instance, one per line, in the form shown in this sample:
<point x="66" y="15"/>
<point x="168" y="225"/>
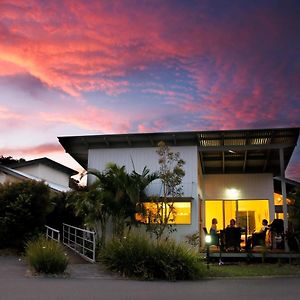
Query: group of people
<point x="215" y="235"/>
<point x="214" y="230"/>
<point x="253" y="240"/>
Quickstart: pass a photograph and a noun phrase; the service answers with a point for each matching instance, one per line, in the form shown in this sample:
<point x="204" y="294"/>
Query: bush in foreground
<point x="46" y="256"/>
<point x="136" y="256"/>
<point x="23" y="210"/>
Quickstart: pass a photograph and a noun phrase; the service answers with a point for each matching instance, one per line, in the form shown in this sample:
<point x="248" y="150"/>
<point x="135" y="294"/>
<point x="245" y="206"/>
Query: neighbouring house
<point x="228" y="174"/>
<point x="56" y="175"/>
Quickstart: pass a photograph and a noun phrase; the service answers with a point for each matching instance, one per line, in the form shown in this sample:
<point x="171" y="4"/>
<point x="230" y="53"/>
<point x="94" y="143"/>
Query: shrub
<point x="137" y="256"/>
<point x="63" y="211"/>
<point x="177" y="262"/>
<point x="46" y="256"/>
<point x="23" y="209"/>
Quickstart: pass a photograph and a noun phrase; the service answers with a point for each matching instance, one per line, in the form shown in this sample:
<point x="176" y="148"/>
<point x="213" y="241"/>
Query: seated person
<point x="213" y="228"/>
<point x="231" y="223"/>
<point x="233" y="236"/>
<point x="258" y="238"/>
<point x="214" y="232"/>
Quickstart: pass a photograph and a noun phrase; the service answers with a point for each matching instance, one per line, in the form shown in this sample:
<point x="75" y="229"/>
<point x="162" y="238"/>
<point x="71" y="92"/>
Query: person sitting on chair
<point x="232" y="236"/>
<point x="214" y="232"/>
<point x="258" y="238"/>
<point x="213" y="228"/>
<point x="231" y="223"/>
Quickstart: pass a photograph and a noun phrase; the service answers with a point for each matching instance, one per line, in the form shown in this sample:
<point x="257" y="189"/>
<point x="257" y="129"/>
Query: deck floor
<point x="256" y="252"/>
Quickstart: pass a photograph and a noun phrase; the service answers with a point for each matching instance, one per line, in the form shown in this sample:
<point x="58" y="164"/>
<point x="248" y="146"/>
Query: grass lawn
<point x="259" y="269"/>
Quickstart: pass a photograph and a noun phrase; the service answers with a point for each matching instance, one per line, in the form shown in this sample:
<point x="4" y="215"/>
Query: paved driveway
<point x="16" y="285"/>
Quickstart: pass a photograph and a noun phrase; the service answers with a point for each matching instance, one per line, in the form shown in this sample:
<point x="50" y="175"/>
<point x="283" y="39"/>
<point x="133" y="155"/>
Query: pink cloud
<point x="7" y="114"/>
<point x="80" y="47"/>
<point x="10" y="119"/>
<point x="153" y="126"/>
<point x="33" y="150"/>
<point x="7" y="69"/>
<point x="64" y="45"/>
<point x="90" y="118"/>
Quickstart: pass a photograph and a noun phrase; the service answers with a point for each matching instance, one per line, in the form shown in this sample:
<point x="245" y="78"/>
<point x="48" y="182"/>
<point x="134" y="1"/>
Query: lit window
<point x="278" y="200"/>
<point x="177" y="212"/>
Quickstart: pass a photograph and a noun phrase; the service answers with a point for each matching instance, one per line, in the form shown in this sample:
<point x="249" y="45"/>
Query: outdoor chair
<point x="259" y="238"/>
<point x="233" y="238"/>
<point x="277" y="234"/>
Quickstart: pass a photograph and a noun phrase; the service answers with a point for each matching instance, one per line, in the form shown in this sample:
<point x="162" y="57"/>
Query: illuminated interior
<point x="278" y="202"/>
<point x="248" y="213"/>
<point x="181" y="212"/>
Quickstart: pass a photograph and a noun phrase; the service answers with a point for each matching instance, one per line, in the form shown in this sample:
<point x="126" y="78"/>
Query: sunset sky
<point x="71" y="67"/>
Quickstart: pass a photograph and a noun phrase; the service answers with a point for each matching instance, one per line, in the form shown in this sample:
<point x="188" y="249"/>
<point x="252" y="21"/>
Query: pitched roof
<point x="22" y="175"/>
<point x="230" y="151"/>
<point x="45" y="161"/>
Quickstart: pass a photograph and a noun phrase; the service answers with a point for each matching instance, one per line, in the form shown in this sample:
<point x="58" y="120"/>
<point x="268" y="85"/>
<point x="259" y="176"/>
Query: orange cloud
<point x="90" y="118"/>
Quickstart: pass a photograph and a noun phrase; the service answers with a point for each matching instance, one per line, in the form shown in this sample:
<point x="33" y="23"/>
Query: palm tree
<point x="92" y="206"/>
<point x="122" y="193"/>
<point x="135" y="189"/>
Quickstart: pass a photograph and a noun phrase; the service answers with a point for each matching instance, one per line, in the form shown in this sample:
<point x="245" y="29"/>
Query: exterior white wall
<point x="7" y="178"/>
<point x="196" y="185"/>
<point x="141" y="157"/>
<point x="250" y="186"/>
<point x="46" y="173"/>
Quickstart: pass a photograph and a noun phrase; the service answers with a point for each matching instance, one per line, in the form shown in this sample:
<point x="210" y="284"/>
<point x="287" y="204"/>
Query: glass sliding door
<point x="248" y="213"/>
<point x="230" y="209"/>
<point x="251" y="213"/>
<point x="214" y="209"/>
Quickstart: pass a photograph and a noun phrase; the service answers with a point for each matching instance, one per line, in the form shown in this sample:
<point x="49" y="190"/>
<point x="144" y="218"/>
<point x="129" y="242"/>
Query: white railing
<point x="52" y="233"/>
<point x="81" y="241"/>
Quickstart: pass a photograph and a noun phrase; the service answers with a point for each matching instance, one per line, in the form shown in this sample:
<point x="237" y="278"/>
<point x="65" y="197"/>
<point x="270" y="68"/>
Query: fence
<point x="52" y="234"/>
<point x="81" y="241"/>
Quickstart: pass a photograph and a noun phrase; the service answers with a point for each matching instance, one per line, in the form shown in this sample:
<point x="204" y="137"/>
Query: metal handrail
<point x="51" y="232"/>
<point x="81" y="241"/>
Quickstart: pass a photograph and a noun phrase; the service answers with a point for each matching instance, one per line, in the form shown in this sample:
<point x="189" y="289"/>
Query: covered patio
<point x="236" y="163"/>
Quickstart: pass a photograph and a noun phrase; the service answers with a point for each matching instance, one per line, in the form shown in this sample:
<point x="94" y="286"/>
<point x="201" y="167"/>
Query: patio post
<point x="283" y="190"/>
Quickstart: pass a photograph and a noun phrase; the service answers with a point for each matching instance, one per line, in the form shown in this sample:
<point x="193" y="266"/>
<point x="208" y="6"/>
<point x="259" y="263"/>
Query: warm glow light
<point x="232" y="193"/>
<point x="249" y="213"/>
<point x="208" y="239"/>
<point x="278" y="200"/>
<point x="180" y="215"/>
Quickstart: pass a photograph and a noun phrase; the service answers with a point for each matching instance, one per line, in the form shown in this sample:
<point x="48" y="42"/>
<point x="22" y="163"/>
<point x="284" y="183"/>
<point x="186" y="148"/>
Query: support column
<point x="283" y="190"/>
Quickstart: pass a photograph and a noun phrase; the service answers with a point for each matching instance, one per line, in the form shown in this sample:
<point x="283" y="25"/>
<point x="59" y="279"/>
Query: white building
<point x="56" y="175"/>
<point x="228" y="174"/>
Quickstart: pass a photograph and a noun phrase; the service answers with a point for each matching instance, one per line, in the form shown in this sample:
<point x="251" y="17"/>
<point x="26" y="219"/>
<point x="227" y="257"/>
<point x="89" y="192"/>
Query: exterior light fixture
<point x="207" y="242"/>
<point x="232" y="193"/>
<point x="208" y="239"/>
